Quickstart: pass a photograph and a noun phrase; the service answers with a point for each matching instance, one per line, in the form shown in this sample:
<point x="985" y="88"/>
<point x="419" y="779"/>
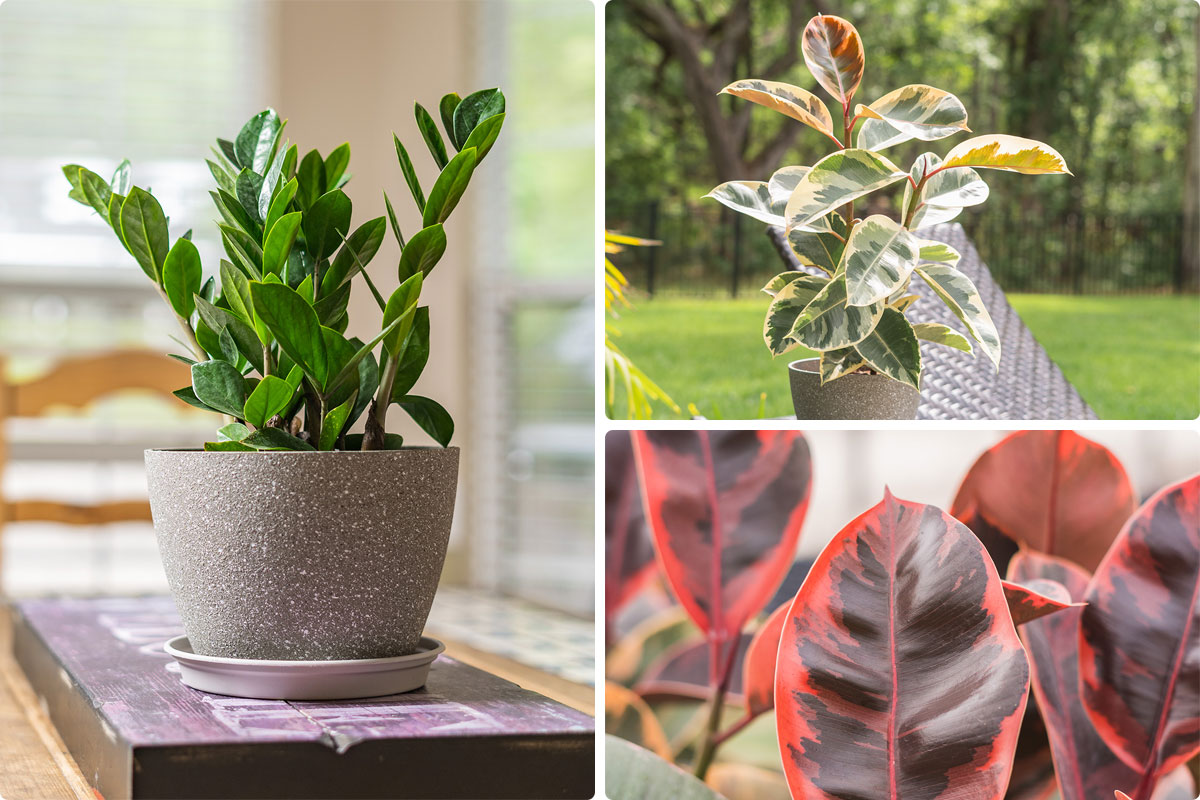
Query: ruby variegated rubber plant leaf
<point x="725" y="510"/>
<point x="910" y="112"/>
<point x="1051" y="491"/>
<point x="900" y="674"/>
<point x="1035" y="598"/>
<point x="792" y="101"/>
<point x="758" y="669"/>
<point x="1139" y="638"/>
<point x="833" y="52"/>
<point x="628" y="552"/>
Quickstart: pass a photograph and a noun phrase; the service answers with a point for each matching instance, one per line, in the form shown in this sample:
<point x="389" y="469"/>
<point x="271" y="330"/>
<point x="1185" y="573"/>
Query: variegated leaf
<point x="789" y="302"/>
<point x="784" y="182"/>
<point x="836" y="363"/>
<point x="957" y="292"/>
<point x="834" y="54"/>
<point x="879" y="259"/>
<point x="752" y="198"/>
<point x="891" y="349"/>
<point x="941" y="334"/>
<point x="836" y="179"/>
<point x="938" y="252"/>
<point x="903" y="301"/>
<point x="781" y="280"/>
<point x="820" y="250"/>
<point x="945" y="193"/>
<point x="792" y="101"/>
<point x="910" y="112"/>
<point x="827" y="323"/>
<point x="1012" y="153"/>
<point x="899" y="672"/>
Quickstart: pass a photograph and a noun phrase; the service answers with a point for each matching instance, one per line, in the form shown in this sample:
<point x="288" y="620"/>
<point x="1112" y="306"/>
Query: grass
<point x="1134" y="357"/>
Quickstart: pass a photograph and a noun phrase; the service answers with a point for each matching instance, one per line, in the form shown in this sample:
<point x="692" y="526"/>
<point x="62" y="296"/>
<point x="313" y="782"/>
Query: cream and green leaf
<point x="776" y="284"/>
<point x="941" y="334"/>
<point x="1012" y="153"/>
<point x="959" y="293"/>
<point x="836" y="363"/>
<point x="937" y="252"/>
<point x="910" y="112"/>
<point x="792" y="101"/>
<point x="790" y="301"/>
<point x="891" y="349"/>
<point x="945" y="194"/>
<point x="828" y="322"/>
<point x="835" y="180"/>
<point x="820" y="250"/>
<point x="879" y="258"/>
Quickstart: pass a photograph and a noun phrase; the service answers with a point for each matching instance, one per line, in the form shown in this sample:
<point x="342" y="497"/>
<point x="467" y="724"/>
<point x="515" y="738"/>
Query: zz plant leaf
<point x="877" y="256"/>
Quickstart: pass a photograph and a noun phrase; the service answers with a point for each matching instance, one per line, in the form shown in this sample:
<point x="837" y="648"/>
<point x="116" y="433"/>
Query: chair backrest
<point x="77" y="381"/>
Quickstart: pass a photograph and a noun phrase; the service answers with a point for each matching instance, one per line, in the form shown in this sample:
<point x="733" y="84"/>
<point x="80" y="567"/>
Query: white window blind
<point x="533" y="437"/>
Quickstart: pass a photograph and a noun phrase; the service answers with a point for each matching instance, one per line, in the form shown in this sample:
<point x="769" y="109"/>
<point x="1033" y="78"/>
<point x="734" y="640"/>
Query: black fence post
<point x="737" y="255"/>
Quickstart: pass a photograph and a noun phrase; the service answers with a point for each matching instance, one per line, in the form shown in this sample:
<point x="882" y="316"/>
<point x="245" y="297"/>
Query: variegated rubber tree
<point x="265" y="335"/>
<point x="850" y="304"/>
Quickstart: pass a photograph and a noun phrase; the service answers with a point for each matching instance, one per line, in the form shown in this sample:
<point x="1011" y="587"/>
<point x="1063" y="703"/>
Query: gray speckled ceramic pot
<point x="850" y="397"/>
<point x="303" y="556"/>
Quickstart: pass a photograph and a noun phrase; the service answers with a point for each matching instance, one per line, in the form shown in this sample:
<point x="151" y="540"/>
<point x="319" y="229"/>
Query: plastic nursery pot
<point x="853" y="396"/>
<point x="303" y="556"/>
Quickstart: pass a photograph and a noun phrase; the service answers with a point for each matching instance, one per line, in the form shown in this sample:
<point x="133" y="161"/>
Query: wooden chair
<point x="77" y="382"/>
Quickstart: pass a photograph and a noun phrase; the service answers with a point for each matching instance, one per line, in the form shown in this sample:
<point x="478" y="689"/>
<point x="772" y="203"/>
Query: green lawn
<point x="1130" y="357"/>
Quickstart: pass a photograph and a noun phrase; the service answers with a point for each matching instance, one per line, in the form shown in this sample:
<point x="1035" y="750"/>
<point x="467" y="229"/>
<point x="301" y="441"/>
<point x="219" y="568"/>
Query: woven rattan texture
<point x="957" y="385"/>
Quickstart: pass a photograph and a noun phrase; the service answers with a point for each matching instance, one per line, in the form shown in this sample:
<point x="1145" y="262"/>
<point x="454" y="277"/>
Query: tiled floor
<point x="547" y="640"/>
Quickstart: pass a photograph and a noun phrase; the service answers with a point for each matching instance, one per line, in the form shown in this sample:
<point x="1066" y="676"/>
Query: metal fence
<point x="708" y="250"/>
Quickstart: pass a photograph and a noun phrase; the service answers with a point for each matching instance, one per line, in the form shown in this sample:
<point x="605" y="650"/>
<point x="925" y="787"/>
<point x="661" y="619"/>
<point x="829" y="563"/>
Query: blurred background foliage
<point x="1111" y="84"/>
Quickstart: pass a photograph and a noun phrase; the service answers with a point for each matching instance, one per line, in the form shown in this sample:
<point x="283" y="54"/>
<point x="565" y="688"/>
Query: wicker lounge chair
<point x="957" y="385"/>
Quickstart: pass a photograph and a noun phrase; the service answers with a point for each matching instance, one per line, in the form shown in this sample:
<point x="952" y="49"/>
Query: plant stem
<point x="709" y="747"/>
<point x="197" y="350"/>
<point x="848" y="209"/>
<point x="916" y="201"/>
<point x="375" y="434"/>
<point x="733" y="729"/>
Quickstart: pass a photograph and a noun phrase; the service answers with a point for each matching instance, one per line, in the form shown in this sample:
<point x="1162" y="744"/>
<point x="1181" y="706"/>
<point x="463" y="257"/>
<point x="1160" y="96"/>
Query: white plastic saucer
<point x="304" y="680"/>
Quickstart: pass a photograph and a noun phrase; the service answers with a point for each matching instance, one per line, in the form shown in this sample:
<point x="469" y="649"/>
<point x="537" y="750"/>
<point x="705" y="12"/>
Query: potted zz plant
<point x="850" y="305"/>
<point x="288" y="537"/>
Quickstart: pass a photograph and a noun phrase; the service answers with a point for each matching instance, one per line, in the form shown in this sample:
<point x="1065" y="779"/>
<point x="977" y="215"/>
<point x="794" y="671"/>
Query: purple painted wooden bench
<point x="136" y="731"/>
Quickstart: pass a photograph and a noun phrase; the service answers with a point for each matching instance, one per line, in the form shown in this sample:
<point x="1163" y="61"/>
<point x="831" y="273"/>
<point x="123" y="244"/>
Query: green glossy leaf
<point x="941" y="334"/>
<point x="230" y="153"/>
<point x="115" y="203"/>
<point x="188" y="395"/>
<point x="248" y="187"/>
<point x="1011" y="153"/>
<point x="879" y="259"/>
<point x="232" y="212"/>
<point x="182" y="275"/>
<point x="279" y="242"/>
<point x="235" y="289"/>
<point x="836" y="363"/>
<point x="788" y="304"/>
<point x="959" y="293"/>
<point x="423" y="252"/>
<point x="242" y="249"/>
<point x="299" y="266"/>
<point x="891" y="349"/>
<point x="446" y="107"/>
<point x="275" y="439"/>
<point x="336" y="163"/>
<point x="828" y="323"/>
<point x="256" y="141"/>
<point x="272" y="396"/>
<point x="357" y="251"/>
<point x="294" y="324"/>
<point x="431" y="135"/>
<point x="219" y="385"/>
<point x="339" y="351"/>
<point x="325" y="222"/>
<point x="71" y="173"/>
<point x="484" y="136"/>
<point x="279" y="205"/>
<point x="121" y="178"/>
<point x="833" y="53"/>
<point x="821" y="250"/>
<point x="227" y="324"/>
<point x="368" y="382"/>
<point x="910" y="112"/>
<point x="414" y="356"/>
<point x="96" y="191"/>
<point x="835" y="180"/>
<point x="224" y="178"/>
<point x="432" y="418"/>
<point x="269" y="185"/>
<point x="938" y="252"/>
<point x="227" y="447"/>
<point x="792" y="101"/>
<point x="410" y="174"/>
<point x="449" y="187"/>
<point x="331" y="308"/>
<point x="289" y="162"/>
<point x="401" y="306"/>
<point x="391" y="215"/>
<point x="144" y="229"/>
<point x="350" y="365"/>
<point x="331" y="428"/>
<point x="631" y="771"/>
<point x="234" y="431"/>
<point x="310" y="179"/>
<point x="945" y="193"/>
<point x="474" y="109"/>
